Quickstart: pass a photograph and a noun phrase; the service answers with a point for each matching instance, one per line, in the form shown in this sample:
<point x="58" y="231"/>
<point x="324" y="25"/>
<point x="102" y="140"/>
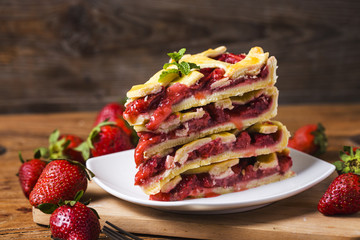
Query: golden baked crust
<point x="164" y="114"/>
<point x="251" y="65"/>
<point x="223" y="169"/>
<point x="157" y="182"/>
<point x="253" y="183"/>
<point x="198" y="112"/>
<point x="272" y="111"/>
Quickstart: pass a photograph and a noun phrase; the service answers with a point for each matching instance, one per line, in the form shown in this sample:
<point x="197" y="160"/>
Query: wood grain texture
<point x="292" y="218"/>
<point x="78" y="55"/>
<point x="25" y="133"/>
<point x="28" y="131"/>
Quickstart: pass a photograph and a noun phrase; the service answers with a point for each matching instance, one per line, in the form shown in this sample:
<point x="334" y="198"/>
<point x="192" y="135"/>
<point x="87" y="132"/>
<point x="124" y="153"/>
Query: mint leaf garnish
<point x="176" y="56"/>
<point x="193" y="65"/>
<point x="183" y="68"/>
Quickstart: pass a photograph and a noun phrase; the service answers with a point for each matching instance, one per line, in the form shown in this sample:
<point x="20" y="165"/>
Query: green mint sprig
<point x="182" y="68"/>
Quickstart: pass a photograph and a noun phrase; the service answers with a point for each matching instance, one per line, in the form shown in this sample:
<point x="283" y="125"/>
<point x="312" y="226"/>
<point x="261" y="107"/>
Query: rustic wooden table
<point x="26" y="132"/>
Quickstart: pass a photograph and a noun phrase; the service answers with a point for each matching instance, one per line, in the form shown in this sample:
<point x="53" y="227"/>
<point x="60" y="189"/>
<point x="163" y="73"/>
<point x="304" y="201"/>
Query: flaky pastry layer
<point x="226" y="126"/>
<point x="232" y="175"/>
<point x="217" y="94"/>
<point x="157" y="182"/>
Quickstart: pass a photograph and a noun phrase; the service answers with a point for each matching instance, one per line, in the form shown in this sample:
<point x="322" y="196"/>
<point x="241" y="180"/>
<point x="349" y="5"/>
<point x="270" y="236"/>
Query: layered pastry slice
<point x="230" y="113"/>
<point x="232" y="175"/>
<point x="157" y="172"/>
<point x="218" y="75"/>
<point x="204" y="125"/>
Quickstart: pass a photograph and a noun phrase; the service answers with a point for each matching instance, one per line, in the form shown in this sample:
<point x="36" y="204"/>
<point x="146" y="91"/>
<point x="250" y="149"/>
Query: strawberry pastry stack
<point x="204" y="125"/>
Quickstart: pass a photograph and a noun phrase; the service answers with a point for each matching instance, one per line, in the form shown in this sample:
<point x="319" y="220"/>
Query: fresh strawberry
<point x="110" y="139"/>
<point x="310" y="139"/>
<point x="69" y="151"/>
<point x="29" y="173"/>
<point x="110" y="112"/>
<point x="61" y="146"/>
<point x="71" y="219"/>
<point x="113" y="112"/>
<point x="74" y="222"/>
<point x="60" y="179"/>
<point x="350" y="161"/>
<point x="342" y="196"/>
<point x="105" y="138"/>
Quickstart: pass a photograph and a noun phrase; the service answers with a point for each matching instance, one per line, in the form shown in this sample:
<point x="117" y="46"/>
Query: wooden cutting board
<point x="293" y="218"/>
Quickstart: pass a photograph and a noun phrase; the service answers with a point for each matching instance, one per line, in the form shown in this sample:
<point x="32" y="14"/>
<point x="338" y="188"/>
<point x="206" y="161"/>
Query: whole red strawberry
<point x="71" y="219"/>
<point x="310" y="139"/>
<point x="342" y="196"/>
<point x="113" y="112"/>
<point x="74" y="222"/>
<point x="61" y="146"/>
<point x="29" y="173"/>
<point x="110" y="139"/>
<point x="60" y="179"/>
<point x="105" y="138"/>
<point x="110" y="112"/>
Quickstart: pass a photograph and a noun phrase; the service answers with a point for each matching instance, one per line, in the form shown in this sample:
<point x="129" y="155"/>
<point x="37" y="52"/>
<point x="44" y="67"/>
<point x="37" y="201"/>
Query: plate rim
<point x="201" y="202"/>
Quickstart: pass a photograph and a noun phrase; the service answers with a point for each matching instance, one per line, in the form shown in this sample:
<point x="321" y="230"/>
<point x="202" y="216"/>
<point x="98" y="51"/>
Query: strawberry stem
<point x="320" y="139"/>
<point x="85" y="147"/>
<point x="350" y="161"/>
<point x="21" y="158"/>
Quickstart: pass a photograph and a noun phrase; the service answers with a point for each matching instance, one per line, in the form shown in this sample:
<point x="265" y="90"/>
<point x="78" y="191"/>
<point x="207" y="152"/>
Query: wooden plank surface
<point x="77" y="55"/>
<point x="26" y="132"/>
<point x="293" y="218"/>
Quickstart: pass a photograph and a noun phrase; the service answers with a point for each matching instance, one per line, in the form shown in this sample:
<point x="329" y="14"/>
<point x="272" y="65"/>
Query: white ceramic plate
<point x="115" y="174"/>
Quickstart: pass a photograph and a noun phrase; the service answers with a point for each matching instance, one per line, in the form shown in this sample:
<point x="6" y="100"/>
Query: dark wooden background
<point x="67" y="55"/>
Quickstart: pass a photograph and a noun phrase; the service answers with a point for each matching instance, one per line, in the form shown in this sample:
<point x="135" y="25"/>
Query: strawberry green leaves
<point x="49" y="208"/>
<point x="87" y="145"/>
<point x="61" y="146"/>
<point x="320" y="139"/>
<point x="310" y="138"/>
<point x="53" y="148"/>
<point x="350" y="161"/>
<point x="180" y="68"/>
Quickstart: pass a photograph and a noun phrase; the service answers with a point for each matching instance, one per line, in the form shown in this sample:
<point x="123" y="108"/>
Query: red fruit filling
<point x="213" y="117"/>
<point x="230" y="58"/>
<point x="203" y="184"/>
<point x="244" y="140"/>
<point x="161" y="103"/>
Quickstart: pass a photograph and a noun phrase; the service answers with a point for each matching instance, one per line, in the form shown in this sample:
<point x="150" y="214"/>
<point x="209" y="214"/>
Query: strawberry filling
<point x="244" y="140"/>
<point x="230" y="57"/>
<point x="203" y="184"/>
<point x="213" y="117"/>
<point x="161" y="103"/>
